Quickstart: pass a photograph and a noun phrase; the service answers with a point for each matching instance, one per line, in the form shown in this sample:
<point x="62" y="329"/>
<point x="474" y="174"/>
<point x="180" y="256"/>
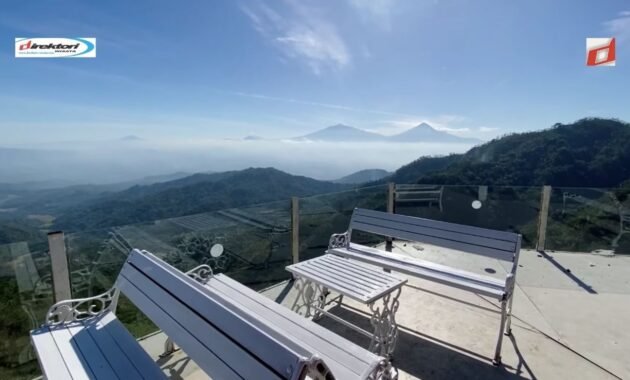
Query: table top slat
<point x="370" y="274"/>
<point x="350" y="278"/>
<point x="338" y="273"/>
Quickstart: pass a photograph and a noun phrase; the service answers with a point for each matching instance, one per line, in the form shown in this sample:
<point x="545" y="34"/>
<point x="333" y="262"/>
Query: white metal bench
<point x="467" y="239"/>
<point x="411" y="193"/>
<point x="226" y="336"/>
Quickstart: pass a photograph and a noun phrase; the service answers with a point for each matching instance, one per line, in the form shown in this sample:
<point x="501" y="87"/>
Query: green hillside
<point x="587" y="153"/>
<point x="191" y="195"/>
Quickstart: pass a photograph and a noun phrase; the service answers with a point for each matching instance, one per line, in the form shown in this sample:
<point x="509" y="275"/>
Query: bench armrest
<point x="68" y="311"/>
<point x="339" y="241"/>
<point x="201" y="273"/>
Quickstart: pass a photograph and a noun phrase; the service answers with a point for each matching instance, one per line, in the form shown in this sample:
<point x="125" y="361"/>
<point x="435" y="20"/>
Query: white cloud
<point x="619" y="27"/>
<point x="321" y="105"/>
<point x="302" y="33"/>
<point x="375" y="11"/>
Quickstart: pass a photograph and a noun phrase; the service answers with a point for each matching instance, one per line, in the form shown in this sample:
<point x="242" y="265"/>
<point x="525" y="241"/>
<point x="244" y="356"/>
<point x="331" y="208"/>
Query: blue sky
<point x="214" y="69"/>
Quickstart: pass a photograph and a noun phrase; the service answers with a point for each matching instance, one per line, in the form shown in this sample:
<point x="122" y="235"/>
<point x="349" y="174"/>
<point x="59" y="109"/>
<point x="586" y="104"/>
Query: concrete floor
<point x="570" y="311"/>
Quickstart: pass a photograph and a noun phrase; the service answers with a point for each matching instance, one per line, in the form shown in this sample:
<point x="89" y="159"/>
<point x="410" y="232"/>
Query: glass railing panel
<point x="589" y="220"/>
<point x="25" y="296"/>
<point x="504" y="208"/>
<point x="255" y="240"/>
<point x="323" y="215"/>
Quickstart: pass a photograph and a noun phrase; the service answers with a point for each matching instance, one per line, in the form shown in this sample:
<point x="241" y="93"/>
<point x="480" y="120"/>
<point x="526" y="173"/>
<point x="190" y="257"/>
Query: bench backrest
<point x="481" y="241"/>
<point x="225" y="343"/>
<point x="418" y="193"/>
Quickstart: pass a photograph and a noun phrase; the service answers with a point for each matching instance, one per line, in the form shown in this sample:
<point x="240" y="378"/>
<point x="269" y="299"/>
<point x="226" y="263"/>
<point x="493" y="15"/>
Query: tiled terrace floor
<point x="570" y="321"/>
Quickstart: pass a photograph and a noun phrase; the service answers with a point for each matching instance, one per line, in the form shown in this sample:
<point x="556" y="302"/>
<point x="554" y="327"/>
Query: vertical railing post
<point x="295" y="229"/>
<point x="545" y="198"/>
<point x="482" y="194"/>
<point x="59" y="264"/>
<point x="391" y="194"/>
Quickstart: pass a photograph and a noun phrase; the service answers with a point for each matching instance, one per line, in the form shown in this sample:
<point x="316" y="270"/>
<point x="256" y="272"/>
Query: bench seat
<point x="484" y="285"/>
<point x="95" y="348"/>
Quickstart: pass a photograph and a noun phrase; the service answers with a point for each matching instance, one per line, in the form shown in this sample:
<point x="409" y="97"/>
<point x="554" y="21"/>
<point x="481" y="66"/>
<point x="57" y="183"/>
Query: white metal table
<point x="360" y="282"/>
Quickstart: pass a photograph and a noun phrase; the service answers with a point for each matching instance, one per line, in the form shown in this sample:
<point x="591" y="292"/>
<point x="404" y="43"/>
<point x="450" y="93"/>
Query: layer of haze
<point x="118" y="161"/>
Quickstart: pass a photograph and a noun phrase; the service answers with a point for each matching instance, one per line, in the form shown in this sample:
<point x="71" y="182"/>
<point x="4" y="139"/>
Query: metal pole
<point x="391" y="193"/>
<point x="542" y="218"/>
<point x="295" y="229"/>
<point x="59" y="264"/>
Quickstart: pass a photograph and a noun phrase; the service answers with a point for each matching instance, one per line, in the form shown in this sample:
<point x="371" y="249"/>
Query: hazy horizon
<point x="282" y="69"/>
<point x="101" y="163"/>
<point x="288" y="68"/>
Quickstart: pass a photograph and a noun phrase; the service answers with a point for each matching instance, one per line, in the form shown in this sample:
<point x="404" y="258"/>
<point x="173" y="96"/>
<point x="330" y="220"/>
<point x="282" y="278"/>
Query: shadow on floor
<point x="427" y="358"/>
<point x="567" y="272"/>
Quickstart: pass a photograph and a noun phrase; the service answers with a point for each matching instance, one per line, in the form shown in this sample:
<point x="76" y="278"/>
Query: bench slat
<point x="432" y="266"/>
<point x="332" y="277"/>
<point x="446" y="226"/>
<point x="95" y="348"/>
<point x="100" y="366"/>
<point x="489" y="288"/>
<point x="346" y="360"/>
<point x="274" y="350"/>
<point x="75" y="361"/>
<point x="110" y="351"/>
<point x="198" y="338"/>
<point x="49" y="356"/>
<point x="338" y="286"/>
<point x="424" y="231"/>
<point x="342" y="275"/>
<point x="441" y="242"/>
<point x="120" y="348"/>
<point x="366" y="273"/>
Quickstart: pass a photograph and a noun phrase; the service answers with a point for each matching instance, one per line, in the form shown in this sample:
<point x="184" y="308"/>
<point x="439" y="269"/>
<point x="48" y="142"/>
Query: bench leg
<point x="383" y="320"/>
<point x="508" y="324"/>
<point x="321" y="303"/>
<point x="497" y="353"/>
<point x="169" y="348"/>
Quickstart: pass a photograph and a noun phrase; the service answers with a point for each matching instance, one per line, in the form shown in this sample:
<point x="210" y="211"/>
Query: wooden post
<point x="295" y="229"/>
<point x="545" y="198"/>
<point x="482" y="193"/>
<point x="391" y="194"/>
<point x="59" y="264"/>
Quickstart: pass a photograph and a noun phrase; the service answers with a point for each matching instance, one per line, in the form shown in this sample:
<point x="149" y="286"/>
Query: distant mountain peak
<point x="363" y="176"/>
<point x="131" y="138"/>
<point x="423" y="132"/>
<point x="340" y="126"/>
<point x="341" y="133"/>
<point x="252" y="138"/>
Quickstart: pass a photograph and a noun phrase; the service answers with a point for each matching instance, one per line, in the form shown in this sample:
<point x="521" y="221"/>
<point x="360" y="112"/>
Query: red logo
<point x="25" y="46"/>
<point x="600" y="52"/>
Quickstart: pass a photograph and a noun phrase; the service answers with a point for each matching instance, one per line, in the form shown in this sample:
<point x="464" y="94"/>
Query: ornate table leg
<point x="384" y="322"/>
<point x="310" y="297"/>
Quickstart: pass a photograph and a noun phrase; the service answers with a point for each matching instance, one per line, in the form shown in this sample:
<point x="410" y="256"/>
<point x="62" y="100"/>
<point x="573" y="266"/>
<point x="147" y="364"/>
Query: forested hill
<point x="587" y="153"/>
<point x="190" y="195"/>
